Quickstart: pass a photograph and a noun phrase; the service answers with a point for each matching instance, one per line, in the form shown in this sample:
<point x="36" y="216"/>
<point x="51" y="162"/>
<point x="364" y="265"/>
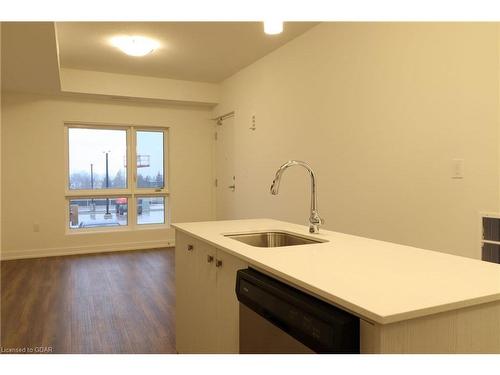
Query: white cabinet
<point x="207" y="318"/>
<point x="227" y="304"/>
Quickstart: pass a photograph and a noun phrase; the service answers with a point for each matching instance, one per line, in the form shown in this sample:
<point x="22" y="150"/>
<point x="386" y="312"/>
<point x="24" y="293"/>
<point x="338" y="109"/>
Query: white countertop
<point x="380" y="281"/>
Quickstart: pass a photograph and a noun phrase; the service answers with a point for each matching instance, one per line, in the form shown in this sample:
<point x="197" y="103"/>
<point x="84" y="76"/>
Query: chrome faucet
<point x="314" y="219"/>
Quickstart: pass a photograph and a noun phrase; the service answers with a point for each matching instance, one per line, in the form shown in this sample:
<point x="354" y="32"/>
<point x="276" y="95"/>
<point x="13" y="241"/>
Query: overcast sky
<point x="88" y="146"/>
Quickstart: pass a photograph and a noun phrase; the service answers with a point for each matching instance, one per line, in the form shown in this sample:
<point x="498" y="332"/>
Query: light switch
<point x="457" y="169"/>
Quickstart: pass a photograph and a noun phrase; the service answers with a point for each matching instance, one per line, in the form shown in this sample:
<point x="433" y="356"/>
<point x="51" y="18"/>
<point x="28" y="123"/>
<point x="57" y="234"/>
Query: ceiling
<point x="29" y="57"/>
<point x="192" y="51"/>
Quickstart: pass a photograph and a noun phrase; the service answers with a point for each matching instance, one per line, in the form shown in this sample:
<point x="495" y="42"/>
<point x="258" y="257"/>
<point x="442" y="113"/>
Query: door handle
<point x="190" y="247"/>
<point x="218" y="263"/>
<point x="210" y="258"/>
<point x="233" y="187"/>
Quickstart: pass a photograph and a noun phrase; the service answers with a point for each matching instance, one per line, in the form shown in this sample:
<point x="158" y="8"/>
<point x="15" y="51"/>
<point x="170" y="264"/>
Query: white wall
<point x="379" y="111"/>
<point x="34" y="171"/>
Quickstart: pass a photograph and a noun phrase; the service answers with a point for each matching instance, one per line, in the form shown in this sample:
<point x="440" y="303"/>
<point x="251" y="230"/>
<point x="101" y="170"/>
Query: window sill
<point x="136" y="228"/>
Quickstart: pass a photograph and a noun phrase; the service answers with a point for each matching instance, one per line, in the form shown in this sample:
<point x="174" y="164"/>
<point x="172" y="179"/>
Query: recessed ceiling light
<point x="135" y="45"/>
<point x="273" y="27"/>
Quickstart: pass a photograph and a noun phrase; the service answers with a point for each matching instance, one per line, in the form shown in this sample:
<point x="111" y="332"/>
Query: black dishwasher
<point x="277" y="318"/>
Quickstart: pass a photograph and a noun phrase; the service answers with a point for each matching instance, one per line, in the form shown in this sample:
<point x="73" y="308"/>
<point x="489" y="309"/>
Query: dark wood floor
<point x="107" y="303"/>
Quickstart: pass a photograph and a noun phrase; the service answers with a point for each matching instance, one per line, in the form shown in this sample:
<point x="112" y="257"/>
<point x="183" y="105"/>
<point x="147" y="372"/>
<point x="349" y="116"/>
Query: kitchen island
<point x="409" y="300"/>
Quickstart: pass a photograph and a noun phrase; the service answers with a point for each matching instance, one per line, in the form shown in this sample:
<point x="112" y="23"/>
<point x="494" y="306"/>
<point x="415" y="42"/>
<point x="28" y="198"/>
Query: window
<point x="98" y="212"/>
<point x="97" y="159"/>
<point x="116" y="176"/>
<point x="151" y="210"/>
<point x="150" y="159"/>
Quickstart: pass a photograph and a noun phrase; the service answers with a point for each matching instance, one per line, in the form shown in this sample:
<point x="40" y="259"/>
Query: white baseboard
<point x="50" y="252"/>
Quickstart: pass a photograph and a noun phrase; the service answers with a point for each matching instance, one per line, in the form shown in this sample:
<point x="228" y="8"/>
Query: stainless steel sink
<point x="272" y="239"/>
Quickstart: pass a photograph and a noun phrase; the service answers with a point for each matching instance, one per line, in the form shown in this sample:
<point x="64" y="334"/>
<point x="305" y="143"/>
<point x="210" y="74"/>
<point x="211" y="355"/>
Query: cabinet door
<point x="227" y="320"/>
<point x="204" y="314"/>
<point x="195" y="283"/>
<point x="184" y="284"/>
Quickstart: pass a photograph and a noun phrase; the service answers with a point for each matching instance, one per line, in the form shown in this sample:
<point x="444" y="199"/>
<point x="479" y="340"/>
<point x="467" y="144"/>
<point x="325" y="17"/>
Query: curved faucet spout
<point x="314" y="219"/>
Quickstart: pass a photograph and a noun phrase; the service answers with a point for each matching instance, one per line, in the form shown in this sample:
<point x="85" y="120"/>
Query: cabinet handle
<point x="190" y="248"/>
<point x="210" y="258"/>
<point x="218" y="263"/>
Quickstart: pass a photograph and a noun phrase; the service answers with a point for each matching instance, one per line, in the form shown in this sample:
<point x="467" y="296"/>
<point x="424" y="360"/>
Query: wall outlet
<point x="36" y="227"/>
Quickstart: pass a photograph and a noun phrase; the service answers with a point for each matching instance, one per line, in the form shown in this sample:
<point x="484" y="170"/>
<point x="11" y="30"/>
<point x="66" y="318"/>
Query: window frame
<point x="131" y="192"/>
<point x="148" y="191"/>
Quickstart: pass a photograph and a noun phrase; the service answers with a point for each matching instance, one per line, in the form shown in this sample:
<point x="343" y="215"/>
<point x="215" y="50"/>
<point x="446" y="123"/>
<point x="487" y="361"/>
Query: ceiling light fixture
<point x="273" y="27"/>
<point x="135" y="45"/>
